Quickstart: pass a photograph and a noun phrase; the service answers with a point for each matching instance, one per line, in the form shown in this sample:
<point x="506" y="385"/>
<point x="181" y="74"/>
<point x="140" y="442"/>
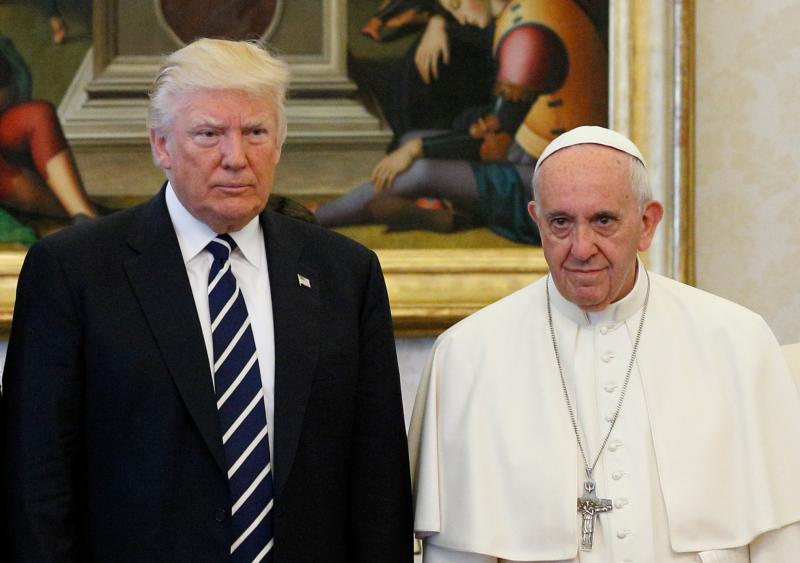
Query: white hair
<point x="218" y="64"/>
<point x="640" y="181"/>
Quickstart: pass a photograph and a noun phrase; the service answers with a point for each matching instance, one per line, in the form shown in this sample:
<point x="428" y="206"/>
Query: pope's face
<point x="219" y="153"/>
<point x="472" y="12"/>
<point x="591" y="224"/>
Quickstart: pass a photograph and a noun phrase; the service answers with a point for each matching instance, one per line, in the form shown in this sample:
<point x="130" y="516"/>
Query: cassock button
<point x="617" y="475"/>
<point x="610" y="417"/>
<point x="620" y="503"/>
<point x="610" y="387"/>
<point x="220" y="514"/>
<point x="608" y="356"/>
<point x="622" y="534"/>
<point x="614" y="446"/>
<point x="603" y="329"/>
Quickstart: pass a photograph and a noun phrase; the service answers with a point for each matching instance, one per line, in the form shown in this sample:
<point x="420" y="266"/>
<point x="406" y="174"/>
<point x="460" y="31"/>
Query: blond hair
<point x="218" y="64"/>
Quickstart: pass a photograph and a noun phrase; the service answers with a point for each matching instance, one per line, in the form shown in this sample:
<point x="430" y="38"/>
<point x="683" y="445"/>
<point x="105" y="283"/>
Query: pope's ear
<point x="158" y="146"/>
<point x="651" y="216"/>
<point x="532" y="211"/>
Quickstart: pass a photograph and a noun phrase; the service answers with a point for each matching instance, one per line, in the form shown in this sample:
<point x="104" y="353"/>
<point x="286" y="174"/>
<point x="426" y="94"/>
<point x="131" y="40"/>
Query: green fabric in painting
<point x="12" y="230"/>
<point x="504" y="205"/>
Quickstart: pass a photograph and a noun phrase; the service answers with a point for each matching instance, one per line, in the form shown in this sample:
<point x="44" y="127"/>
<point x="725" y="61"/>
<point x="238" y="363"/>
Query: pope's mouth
<point x="232" y="187"/>
<point x="584" y="272"/>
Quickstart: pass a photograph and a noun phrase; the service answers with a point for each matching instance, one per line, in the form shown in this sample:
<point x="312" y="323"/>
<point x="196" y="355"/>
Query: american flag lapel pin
<point x="303" y="281"/>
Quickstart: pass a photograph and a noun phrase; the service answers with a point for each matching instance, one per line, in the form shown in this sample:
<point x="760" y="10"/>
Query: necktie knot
<point x="221" y="247"/>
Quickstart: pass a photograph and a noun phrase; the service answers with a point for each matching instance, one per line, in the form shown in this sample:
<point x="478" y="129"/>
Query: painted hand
<point x="394" y="163"/>
<point x="433" y="46"/>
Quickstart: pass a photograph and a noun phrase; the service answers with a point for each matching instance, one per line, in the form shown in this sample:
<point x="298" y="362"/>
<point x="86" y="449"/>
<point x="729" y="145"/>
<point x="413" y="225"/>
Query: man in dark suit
<point x="196" y="379"/>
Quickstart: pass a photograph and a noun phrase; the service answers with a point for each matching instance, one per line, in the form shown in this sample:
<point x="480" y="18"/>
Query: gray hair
<point x="218" y="64"/>
<point x="640" y="182"/>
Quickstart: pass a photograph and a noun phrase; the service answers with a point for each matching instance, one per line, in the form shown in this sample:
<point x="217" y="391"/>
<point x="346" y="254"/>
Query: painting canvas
<point x="471" y="102"/>
<point x="451" y="231"/>
<point x="41" y="45"/>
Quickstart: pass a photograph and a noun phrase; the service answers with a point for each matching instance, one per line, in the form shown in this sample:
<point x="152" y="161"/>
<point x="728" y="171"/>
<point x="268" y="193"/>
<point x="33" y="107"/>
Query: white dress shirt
<point x="249" y="266"/>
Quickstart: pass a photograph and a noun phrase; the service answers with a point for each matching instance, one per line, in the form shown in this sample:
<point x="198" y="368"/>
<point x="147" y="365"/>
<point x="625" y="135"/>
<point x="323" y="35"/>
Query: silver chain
<point x="573" y="419"/>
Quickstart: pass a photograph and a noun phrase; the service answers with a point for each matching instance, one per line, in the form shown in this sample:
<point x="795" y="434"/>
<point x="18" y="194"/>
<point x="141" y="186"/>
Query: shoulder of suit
<point x="312" y="233"/>
<point x="100" y="231"/>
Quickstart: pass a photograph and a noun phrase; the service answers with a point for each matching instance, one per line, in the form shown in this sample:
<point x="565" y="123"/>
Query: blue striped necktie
<point x="240" y="404"/>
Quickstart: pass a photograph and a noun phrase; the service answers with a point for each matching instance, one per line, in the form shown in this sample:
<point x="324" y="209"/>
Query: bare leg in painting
<point x="30" y="132"/>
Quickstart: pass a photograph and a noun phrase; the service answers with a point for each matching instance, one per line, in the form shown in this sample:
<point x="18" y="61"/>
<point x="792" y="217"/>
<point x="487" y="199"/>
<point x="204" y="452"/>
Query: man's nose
<point x="233" y="151"/>
<point x="583" y="242"/>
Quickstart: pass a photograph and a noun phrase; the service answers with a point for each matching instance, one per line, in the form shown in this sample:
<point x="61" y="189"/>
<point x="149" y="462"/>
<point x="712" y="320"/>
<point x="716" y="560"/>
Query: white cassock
<point x="703" y="463"/>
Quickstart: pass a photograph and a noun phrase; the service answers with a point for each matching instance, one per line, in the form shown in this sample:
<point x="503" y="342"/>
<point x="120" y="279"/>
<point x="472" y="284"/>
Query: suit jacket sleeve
<point x="43" y="416"/>
<point x="380" y="508"/>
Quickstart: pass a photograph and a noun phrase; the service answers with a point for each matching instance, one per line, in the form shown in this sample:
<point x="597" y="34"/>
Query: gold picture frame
<point x="651" y="100"/>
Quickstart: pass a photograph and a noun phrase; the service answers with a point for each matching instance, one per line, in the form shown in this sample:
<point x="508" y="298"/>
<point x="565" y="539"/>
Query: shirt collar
<point x="194" y="235"/>
<point x="616" y="312"/>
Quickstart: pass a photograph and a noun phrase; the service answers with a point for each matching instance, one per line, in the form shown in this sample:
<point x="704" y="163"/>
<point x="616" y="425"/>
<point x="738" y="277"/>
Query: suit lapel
<point x="295" y="310"/>
<point x="159" y="280"/>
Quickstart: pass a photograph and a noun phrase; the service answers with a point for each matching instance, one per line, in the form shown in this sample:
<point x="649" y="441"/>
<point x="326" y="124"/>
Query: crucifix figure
<point x="589" y="506"/>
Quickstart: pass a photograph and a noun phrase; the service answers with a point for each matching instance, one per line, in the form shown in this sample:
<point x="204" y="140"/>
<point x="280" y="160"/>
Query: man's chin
<point x="225" y="221"/>
<point x="591" y="299"/>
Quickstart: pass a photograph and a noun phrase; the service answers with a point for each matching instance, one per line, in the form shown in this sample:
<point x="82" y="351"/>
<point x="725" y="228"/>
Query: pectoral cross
<point x="589" y="506"/>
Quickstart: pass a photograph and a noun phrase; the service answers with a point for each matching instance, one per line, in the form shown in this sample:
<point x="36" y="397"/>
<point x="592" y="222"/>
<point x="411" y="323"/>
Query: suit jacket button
<point x="220" y="514"/>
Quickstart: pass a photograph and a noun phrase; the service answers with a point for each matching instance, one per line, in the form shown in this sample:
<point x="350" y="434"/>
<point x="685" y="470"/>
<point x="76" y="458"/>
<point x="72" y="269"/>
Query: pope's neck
<point x="617" y="311"/>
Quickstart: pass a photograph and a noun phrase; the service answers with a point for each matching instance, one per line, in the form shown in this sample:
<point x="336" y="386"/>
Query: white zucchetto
<point x="591" y="135"/>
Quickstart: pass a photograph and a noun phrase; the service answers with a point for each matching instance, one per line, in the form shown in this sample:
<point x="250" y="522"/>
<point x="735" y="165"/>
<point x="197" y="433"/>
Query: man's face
<point x="219" y="153"/>
<point x="591" y="224"/>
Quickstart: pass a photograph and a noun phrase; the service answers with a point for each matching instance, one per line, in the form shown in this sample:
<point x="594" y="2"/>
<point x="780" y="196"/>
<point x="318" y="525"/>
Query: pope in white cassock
<point x="605" y="413"/>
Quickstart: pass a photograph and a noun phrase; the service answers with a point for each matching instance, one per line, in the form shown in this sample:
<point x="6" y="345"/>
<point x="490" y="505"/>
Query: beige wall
<point x="748" y="156"/>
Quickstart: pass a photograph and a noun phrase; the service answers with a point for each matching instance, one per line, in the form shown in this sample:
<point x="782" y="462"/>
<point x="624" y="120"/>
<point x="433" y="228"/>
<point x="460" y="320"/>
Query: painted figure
<point x="58" y="27"/>
<point x="37" y="170"/>
<point x="447" y="70"/>
<point x="551" y="77"/>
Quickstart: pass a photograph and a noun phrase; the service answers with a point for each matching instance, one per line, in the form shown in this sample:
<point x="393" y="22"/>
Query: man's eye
<point x="559" y="222"/>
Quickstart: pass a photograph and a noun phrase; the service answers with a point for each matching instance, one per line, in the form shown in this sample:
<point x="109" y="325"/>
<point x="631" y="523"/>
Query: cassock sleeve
<point x="782" y="544"/>
<point x="424" y="452"/>
<point x="436" y="554"/>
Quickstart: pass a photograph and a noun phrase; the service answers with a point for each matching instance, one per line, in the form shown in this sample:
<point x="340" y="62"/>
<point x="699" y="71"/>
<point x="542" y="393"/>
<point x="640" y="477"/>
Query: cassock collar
<point x="194" y="235"/>
<point x="616" y="313"/>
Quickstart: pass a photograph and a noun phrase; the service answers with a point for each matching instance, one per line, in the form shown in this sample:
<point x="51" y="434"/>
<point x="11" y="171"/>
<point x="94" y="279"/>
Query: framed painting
<point x="338" y="132"/>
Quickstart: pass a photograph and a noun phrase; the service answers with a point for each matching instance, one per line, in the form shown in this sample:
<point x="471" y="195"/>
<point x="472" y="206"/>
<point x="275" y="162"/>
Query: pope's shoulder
<point x="501" y="319"/>
<point x="707" y="307"/>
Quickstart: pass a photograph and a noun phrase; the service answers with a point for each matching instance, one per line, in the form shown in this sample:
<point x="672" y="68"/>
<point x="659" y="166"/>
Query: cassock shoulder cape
<point x="494" y="455"/>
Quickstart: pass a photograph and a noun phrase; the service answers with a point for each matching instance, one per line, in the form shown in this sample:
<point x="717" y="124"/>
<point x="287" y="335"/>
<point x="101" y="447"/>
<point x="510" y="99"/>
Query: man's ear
<point x="532" y="211"/>
<point x="651" y="216"/>
<point x="158" y="146"/>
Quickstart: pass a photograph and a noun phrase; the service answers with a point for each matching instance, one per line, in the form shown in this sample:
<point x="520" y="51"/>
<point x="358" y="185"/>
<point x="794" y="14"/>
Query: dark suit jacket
<point x="112" y="446"/>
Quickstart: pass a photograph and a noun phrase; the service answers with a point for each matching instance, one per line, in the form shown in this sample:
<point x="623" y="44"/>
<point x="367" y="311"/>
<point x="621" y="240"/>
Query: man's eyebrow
<point x="257" y="121"/>
<point x="605" y="213"/>
<point x="556" y="213"/>
<point x="204" y="121"/>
